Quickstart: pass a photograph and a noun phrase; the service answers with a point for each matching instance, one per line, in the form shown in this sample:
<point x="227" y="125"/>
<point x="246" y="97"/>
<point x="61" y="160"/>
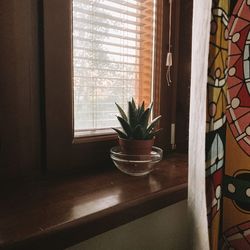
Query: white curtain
<point x="196" y="194"/>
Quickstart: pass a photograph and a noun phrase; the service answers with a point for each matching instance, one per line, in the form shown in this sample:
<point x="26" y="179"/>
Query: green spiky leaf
<point x="141" y="110"/>
<point x="132" y="116"/>
<point x="120" y="133"/>
<point x="144" y="119"/>
<point x="121" y="112"/>
<point x="133" y="103"/>
<point x="153" y="123"/>
<point x="152" y="134"/>
<point x="125" y="126"/>
<point x="151" y="106"/>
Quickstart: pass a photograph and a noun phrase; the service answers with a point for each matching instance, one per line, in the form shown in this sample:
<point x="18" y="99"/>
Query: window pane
<point x="112" y="58"/>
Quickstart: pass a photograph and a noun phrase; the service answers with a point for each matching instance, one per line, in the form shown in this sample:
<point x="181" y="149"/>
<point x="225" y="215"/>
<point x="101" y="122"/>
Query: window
<point x="113" y="45"/>
<point x="65" y="147"/>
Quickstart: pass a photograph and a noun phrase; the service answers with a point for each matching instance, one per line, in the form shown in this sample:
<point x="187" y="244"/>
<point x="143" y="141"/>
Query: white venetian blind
<point x="112" y="58"/>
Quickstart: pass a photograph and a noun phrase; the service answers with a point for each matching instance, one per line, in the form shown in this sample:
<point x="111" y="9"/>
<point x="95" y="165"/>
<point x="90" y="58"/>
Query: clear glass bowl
<point x="136" y="165"/>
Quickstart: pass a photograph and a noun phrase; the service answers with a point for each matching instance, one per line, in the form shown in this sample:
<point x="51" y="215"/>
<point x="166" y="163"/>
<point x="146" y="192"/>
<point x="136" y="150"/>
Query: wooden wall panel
<point x="175" y="98"/>
<point x="183" y="72"/>
<point x="19" y="89"/>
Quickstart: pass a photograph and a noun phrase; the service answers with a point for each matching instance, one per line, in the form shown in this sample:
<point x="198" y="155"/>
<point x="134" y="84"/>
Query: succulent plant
<point x="136" y="125"/>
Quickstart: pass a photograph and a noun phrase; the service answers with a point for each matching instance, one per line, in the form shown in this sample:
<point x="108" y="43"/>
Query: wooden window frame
<point x="63" y="151"/>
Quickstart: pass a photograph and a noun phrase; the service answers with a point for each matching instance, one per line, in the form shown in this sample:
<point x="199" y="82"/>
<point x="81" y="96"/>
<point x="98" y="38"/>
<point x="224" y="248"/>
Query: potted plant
<point x="137" y="134"/>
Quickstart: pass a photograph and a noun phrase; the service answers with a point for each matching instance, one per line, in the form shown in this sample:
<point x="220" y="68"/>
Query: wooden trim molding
<point x="19" y="90"/>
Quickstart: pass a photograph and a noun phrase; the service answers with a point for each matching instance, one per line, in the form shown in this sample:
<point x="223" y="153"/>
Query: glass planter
<point x="136" y="165"/>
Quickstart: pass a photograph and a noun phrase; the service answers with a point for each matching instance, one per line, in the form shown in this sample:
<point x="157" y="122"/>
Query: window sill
<point x="57" y="214"/>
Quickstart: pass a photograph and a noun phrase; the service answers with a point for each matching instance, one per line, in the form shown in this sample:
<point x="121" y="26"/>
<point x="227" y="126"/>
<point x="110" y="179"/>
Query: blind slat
<point x="98" y="42"/>
<point x="77" y="58"/>
<point x="107" y="17"/>
<point x="101" y="6"/>
<point x="79" y="22"/>
<point x="105" y="69"/>
<point x="120" y="2"/>
<point x="104" y="78"/>
<point x="84" y="51"/>
<point x="107" y="35"/>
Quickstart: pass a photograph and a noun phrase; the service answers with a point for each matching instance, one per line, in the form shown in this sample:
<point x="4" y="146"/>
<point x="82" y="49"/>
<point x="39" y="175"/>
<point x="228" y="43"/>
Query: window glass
<point x="113" y="51"/>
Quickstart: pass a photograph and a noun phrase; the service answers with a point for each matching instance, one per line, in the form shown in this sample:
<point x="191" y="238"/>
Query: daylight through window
<point x="113" y="51"/>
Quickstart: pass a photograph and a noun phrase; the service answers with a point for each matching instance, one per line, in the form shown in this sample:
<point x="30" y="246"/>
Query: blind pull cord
<point x="169" y="60"/>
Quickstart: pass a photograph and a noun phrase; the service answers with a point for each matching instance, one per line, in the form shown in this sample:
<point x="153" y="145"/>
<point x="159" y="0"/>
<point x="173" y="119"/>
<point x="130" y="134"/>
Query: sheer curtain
<point x="196" y="192"/>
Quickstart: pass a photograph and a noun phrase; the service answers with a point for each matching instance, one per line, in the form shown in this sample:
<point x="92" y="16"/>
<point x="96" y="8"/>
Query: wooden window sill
<point x="60" y="213"/>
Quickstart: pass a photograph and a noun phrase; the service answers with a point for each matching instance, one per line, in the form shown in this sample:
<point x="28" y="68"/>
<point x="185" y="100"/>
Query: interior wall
<point x="161" y="230"/>
<point x="19" y="89"/>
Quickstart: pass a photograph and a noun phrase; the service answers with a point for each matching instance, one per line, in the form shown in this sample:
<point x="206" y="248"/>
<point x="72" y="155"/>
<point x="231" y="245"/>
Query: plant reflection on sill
<point x="101" y="202"/>
<point x="154" y="183"/>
